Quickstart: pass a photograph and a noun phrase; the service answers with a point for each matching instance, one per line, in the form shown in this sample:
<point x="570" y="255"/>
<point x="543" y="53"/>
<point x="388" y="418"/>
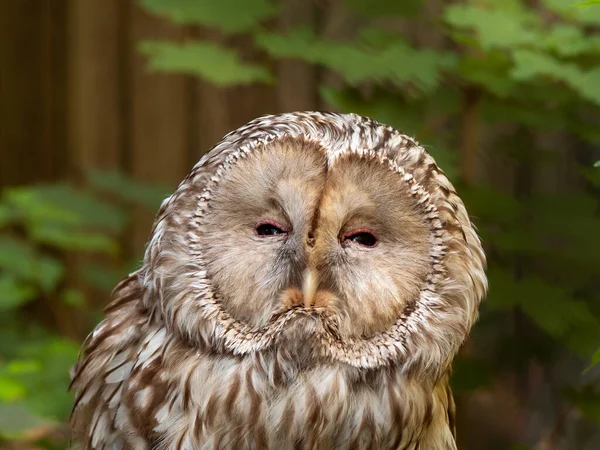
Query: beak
<point x="309" y="287"/>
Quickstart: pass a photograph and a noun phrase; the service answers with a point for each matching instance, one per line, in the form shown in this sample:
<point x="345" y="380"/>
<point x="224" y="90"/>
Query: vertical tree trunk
<point x="96" y="120"/>
<point x="296" y="80"/>
<point x="335" y="23"/>
<point x="212" y="119"/>
<point x="470" y="135"/>
<point x="32" y="88"/>
<point x="159" y="147"/>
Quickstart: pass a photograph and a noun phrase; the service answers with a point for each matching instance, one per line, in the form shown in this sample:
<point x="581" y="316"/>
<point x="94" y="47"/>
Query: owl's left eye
<point x="270" y="228"/>
<point x="364" y="238"/>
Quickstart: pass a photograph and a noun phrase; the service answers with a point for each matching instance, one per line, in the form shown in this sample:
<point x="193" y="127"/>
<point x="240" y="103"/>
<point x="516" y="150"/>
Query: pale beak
<point x="309" y="287"/>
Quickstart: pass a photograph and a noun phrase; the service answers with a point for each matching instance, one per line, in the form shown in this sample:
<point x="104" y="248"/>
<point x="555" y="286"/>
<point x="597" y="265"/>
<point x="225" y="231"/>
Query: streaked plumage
<point x="305" y="336"/>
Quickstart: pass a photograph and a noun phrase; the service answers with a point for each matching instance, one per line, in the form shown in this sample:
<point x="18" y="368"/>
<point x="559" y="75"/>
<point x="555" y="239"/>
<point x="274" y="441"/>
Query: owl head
<point x="332" y="230"/>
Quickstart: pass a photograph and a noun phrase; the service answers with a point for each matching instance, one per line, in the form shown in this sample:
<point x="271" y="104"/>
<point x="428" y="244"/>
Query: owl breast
<point x="273" y="401"/>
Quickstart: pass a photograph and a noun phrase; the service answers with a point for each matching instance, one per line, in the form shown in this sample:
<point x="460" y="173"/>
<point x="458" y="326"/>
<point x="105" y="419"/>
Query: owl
<point x="306" y="287"/>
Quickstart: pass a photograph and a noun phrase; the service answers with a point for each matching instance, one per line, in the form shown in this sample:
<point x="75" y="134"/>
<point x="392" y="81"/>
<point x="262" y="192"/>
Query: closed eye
<point x="270" y="228"/>
<point x="362" y="237"/>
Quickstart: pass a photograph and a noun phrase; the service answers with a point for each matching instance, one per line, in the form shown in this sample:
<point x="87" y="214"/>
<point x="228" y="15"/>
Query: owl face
<point x="287" y="231"/>
<point x="335" y="227"/>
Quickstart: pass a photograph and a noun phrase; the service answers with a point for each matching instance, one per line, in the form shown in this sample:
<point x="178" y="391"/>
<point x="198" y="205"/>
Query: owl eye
<point x="270" y="228"/>
<point x="361" y="237"/>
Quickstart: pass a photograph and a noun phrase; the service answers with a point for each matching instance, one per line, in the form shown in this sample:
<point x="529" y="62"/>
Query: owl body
<point x="306" y="286"/>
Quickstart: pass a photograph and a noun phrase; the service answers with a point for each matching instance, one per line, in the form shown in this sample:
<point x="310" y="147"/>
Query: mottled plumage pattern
<point x="229" y="339"/>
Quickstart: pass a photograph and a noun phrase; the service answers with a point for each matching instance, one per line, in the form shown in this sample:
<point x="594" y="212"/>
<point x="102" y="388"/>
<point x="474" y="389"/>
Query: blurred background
<point x="106" y="105"/>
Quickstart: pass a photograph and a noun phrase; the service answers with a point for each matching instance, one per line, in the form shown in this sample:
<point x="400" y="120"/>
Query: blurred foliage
<point x="529" y="70"/>
<point x="231" y="16"/>
<point x="46" y="231"/>
<point x="374" y="56"/>
<point x="220" y="66"/>
<point x="501" y="69"/>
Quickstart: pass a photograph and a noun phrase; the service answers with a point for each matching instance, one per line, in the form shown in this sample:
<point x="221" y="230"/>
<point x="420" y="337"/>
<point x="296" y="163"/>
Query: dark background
<point x="106" y="105"/>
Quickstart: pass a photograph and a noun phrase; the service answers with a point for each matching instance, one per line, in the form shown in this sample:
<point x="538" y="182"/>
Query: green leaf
<point x="494" y="27"/>
<point x="567" y="9"/>
<point x="73" y="297"/>
<point x="489" y="71"/>
<point x="21" y="260"/>
<point x="19" y="367"/>
<point x="232" y="16"/>
<point x="90" y="210"/>
<point x="207" y="60"/>
<point x="592" y="175"/>
<point x="50" y="272"/>
<point x="355" y="62"/>
<point x="568" y="41"/>
<point x="135" y="192"/>
<point x="11" y="390"/>
<point x="27" y="203"/>
<point x="551" y="307"/>
<point x="589" y="3"/>
<point x="65" y="207"/>
<point x="73" y="240"/>
<point x="588" y="85"/>
<point x="6" y="215"/>
<point x="595" y="359"/>
<point x="18" y="257"/>
<point x="530" y="65"/>
<point x="55" y="357"/>
<point x="385" y="8"/>
<point x="556" y="313"/>
<point x="14" y="293"/>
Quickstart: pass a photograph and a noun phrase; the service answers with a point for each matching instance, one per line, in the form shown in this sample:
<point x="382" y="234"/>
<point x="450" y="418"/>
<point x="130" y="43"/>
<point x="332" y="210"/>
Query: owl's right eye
<point x="270" y="228"/>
